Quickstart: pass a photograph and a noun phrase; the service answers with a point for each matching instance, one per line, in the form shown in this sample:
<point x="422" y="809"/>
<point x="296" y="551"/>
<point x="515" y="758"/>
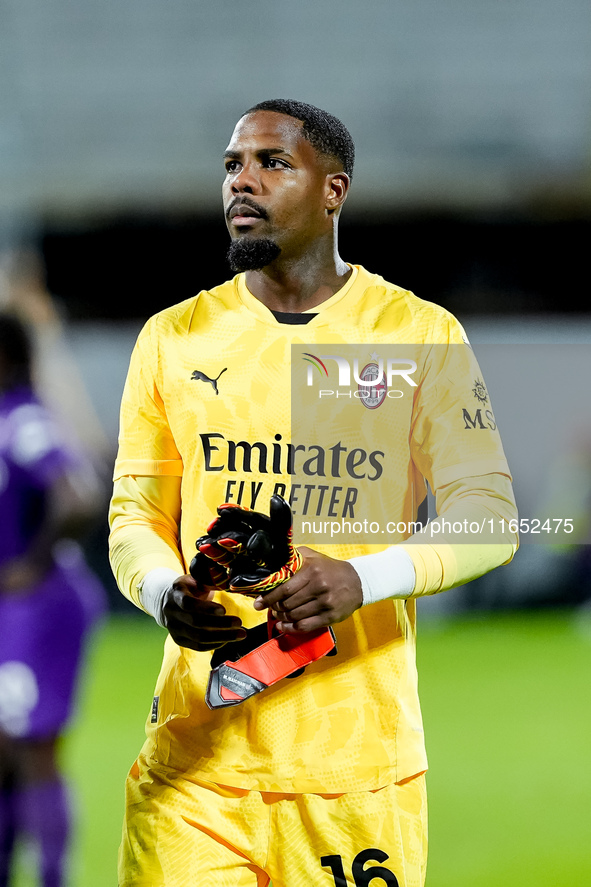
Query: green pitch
<point x="508" y="734"/>
<point x="508" y="726"/>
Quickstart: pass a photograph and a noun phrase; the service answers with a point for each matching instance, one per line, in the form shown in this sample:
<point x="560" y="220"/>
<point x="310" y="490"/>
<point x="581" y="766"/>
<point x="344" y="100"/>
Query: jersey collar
<point x="266" y="315"/>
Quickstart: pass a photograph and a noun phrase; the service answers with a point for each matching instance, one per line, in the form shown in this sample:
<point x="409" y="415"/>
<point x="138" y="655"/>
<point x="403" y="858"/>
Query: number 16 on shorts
<point x="362" y="876"/>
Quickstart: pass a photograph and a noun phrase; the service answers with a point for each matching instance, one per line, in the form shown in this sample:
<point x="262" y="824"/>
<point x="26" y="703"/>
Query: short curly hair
<point x="325" y="132"/>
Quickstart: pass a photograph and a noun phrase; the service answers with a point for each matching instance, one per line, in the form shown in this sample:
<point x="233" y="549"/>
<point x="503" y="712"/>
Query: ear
<point x="337" y="185"/>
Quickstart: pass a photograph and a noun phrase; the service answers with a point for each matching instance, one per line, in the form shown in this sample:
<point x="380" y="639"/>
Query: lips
<point x="242" y="211"/>
<point x="245" y="213"/>
<point x="242" y="216"/>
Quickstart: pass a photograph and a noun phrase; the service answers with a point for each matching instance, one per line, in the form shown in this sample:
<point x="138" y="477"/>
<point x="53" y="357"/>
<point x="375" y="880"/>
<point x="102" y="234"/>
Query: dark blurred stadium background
<point x="473" y="188"/>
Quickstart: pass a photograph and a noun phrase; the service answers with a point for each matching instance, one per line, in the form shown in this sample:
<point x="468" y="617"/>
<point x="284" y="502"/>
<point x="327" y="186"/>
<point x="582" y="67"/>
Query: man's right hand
<point x="196" y="621"/>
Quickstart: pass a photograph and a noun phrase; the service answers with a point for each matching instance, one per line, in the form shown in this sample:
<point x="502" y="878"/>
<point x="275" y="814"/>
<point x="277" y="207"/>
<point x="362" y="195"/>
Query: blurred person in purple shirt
<point x="49" y="600"/>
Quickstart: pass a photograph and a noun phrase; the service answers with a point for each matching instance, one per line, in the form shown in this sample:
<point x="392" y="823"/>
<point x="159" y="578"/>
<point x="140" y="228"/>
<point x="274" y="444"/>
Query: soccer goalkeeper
<point x="318" y="779"/>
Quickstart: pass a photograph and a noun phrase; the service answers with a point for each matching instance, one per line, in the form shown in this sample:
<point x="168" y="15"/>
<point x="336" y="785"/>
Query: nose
<point x="246" y="181"/>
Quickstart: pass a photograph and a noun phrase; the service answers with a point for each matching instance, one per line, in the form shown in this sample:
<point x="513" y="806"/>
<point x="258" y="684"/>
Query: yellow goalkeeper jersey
<point x="208" y="401"/>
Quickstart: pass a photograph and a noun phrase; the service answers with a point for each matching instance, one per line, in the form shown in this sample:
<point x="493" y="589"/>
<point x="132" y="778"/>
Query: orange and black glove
<point x="257" y="551"/>
<point x="252" y="554"/>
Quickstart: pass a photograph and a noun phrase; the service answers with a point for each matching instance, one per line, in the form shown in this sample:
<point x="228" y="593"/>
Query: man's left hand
<point x="322" y="592"/>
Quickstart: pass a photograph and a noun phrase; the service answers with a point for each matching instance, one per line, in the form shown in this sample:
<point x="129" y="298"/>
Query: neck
<point x="301" y="282"/>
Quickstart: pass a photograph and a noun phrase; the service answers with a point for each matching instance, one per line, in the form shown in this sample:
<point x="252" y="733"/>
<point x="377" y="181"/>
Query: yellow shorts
<point x="180" y="833"/>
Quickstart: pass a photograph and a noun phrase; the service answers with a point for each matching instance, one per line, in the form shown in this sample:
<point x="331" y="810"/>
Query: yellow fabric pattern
<point x="209" y="388"/>
<point x="181" y="832"/>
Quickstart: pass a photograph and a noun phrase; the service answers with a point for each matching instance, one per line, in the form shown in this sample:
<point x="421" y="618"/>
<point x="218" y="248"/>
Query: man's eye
<point x="231" y="165"/>
<point x="275" y="163"/>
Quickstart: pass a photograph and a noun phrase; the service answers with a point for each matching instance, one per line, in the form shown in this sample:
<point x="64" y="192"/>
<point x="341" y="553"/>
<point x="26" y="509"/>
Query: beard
<point x="252" y="255"/>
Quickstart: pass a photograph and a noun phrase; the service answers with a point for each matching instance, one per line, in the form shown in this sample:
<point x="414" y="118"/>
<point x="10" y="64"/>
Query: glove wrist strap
<point x="231" y="682"/>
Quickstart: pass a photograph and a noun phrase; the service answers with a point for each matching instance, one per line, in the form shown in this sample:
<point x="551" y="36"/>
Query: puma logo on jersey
<point x="201" y="377"/>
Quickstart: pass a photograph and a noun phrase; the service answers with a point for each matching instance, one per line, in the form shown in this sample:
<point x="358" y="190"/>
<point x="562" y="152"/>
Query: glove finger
<point x="228" y="522"/>
<point x="260" y="548"/>
<point x="199" y="569"/>
<point x="224" y="549"/>
<point x="233" y="543"/>
<point x="280" y="517"/>
<point x="238" y="516"/>
<point x="207" y="574"/>
<point x="219" y="577"/>
<point x="243" y="581"/>
<point x="247" y="568"/>
<point x="245" y="575"/>
<point x="247" y="585"/>
<point x="281" y="531"/>
<point x="214" y="552"/>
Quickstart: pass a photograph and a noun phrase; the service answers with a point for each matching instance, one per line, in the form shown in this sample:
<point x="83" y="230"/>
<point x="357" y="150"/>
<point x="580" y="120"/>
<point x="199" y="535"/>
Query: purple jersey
<point x="32" y="455"/>
<point x="42" y="629"/>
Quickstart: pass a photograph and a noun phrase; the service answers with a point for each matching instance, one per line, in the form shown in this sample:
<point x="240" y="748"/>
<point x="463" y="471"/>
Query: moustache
<point x="246" y="201"/>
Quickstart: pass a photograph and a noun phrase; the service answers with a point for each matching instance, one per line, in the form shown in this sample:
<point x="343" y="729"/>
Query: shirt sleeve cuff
<point x="152" y="588"/>
<point x="386" y="574"/>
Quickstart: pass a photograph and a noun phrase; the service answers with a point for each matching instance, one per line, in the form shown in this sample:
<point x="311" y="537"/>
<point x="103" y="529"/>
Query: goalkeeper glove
<point x="257" y="550"/>
<point x="257" y="553"/>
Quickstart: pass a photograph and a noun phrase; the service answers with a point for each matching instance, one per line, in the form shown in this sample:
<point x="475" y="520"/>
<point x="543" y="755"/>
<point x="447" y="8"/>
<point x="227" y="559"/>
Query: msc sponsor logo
<point x="479" y="391"/>
<point x="477" y="421"/>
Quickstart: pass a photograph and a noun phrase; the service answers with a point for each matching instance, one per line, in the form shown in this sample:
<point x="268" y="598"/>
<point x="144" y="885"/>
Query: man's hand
<point x="194" y="620"/>
<point x="322" y="592"/>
